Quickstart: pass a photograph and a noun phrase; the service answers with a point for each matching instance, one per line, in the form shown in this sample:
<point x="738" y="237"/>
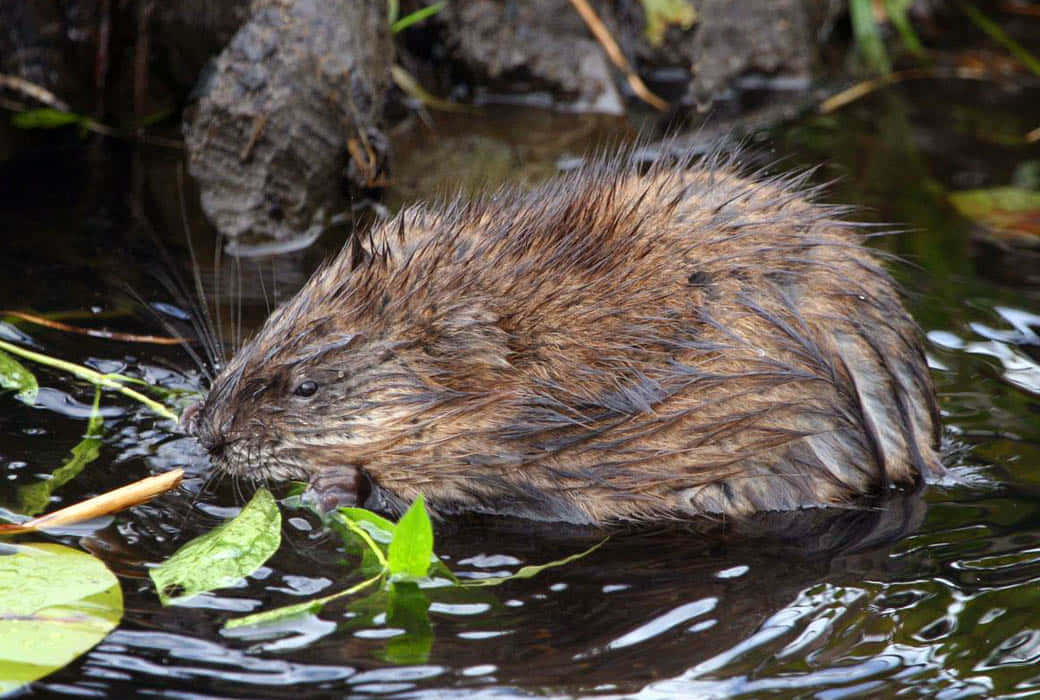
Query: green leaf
<point x="55" y="603"/>
<point x="45" y="118"/>
<point x="898" y="15"/>
<point x="408" y="609"/>
<point x="532" y="570"/>
<point x="397" y="25"/>
<point x="661" y="13"/>
<point x="223" y="556"/>
<point x="35" y="497"/>
<point x="1011" y="213"/>
<point x="868" y="35"/>
<point x="976" y="204"/>
<point x="412" y="547"/>
<point x="14" y="375"/>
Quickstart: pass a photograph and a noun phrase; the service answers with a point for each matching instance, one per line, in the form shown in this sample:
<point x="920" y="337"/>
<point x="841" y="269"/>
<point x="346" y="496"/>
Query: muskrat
<point x="622" y="343"/>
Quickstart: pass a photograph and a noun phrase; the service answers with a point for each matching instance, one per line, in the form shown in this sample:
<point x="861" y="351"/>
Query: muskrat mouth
<point x="338" y="487"/>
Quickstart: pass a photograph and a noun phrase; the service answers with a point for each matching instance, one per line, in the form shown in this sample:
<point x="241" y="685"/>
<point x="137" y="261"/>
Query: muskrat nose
<point x="188" y="423"/>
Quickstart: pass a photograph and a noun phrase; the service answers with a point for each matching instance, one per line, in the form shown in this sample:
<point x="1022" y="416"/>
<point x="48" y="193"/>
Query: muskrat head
<point x="345" y="388"/>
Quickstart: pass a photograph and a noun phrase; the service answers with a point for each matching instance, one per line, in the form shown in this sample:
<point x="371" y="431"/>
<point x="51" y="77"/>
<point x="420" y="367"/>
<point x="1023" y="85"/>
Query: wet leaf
<point x="55" y="603"/>
<point x="14" y="375"/>
<point x="661" y="13"/>
<point x="223" y="556"/>
<point x="411" y="549"/>
<point x="45" y="118"/>
<point x="1012" y="213"/>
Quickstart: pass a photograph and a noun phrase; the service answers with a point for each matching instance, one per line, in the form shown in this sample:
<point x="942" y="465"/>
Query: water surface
<point x="934" y="593"/>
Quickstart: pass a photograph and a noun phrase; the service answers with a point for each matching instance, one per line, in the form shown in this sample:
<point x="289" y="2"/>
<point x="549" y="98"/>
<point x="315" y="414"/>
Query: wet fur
<point x="613" y="345"/>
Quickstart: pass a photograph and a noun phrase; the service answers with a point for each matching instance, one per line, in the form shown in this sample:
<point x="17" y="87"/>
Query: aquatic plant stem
<point x="310" y="606"/>
<point x="369" y="542"/>
<point x="1001" y="37"/>
<point x="106" y="381"/>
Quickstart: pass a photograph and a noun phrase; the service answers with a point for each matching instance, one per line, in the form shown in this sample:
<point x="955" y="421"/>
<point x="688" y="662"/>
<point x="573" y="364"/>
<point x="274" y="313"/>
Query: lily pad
<point x="14" y="375"/>
<point x="224" y="555"/>
<point x="55" y="604"/>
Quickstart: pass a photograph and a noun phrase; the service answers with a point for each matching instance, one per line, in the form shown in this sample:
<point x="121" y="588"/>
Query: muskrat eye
<point x="307" y="388"/>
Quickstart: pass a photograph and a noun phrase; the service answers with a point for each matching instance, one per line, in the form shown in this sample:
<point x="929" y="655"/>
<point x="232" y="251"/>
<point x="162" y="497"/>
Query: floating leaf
<point x="661" y="13"/>
<point x="1012" y="212"/>
<point x="224" y="555"/>
<point x="412" y="547"/>
<point x="55" y="603"/>
<point x="14" y="375"/>
<point x="45" y="118"/>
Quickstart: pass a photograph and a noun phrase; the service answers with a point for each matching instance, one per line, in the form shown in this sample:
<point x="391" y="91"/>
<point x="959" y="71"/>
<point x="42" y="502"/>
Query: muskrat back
<point x="613" y="345"/>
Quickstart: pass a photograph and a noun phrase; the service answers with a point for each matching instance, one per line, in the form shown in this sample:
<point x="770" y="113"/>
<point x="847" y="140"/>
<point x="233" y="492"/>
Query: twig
<point x="92" y="332"/>
<point x="113" y="501"/>
<point x="860" y="90"/>
<point x="602" y="34"/>
<point x="36" y="92"/>
<point x="411" y="87"/>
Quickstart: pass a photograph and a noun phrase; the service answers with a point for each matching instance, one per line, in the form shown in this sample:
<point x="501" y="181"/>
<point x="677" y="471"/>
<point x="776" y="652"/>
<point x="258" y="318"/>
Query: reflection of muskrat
<point x="609" y="346"/>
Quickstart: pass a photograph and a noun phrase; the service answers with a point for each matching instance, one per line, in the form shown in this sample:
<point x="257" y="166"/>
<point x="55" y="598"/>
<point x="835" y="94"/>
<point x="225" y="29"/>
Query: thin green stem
<point x="299" y="608"/>
<point x="87" y="374"/>
<point x="398" y="25"/>
<point x="1000" y="36"/>
<point x="376" y="549"/>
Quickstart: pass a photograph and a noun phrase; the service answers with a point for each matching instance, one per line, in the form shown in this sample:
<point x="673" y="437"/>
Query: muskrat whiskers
<point x="202" y="320"/>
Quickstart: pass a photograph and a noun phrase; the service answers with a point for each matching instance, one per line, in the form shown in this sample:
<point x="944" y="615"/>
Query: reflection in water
<point x="646" y="605"/>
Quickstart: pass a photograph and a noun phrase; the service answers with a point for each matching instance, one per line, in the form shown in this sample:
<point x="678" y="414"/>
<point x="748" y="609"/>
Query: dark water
<point x="932" y="594"/>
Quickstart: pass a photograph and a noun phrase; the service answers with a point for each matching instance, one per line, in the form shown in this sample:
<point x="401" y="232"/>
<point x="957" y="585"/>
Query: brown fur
<point x="610" y="346"/>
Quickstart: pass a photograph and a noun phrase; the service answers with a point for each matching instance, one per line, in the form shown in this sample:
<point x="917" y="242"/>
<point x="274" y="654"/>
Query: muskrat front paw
<point x="337" y="487"/>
